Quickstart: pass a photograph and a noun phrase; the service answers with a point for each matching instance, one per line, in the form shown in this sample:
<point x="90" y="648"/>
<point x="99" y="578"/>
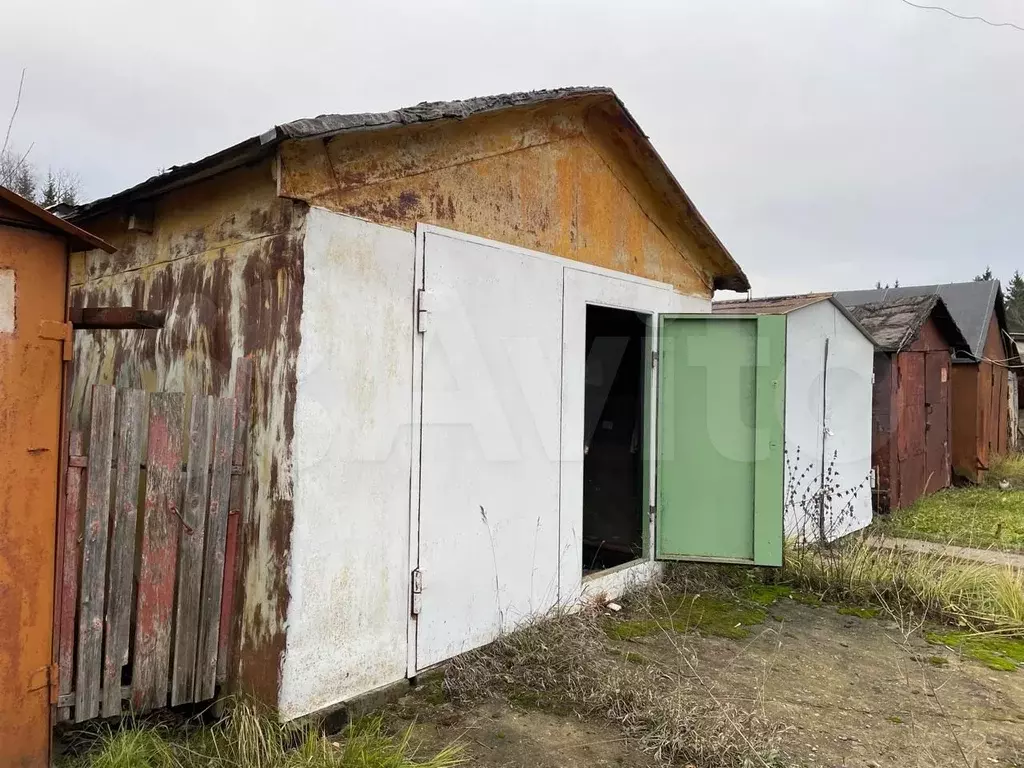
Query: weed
<point x="895" y="719"/>
<point x="1009" y="469"/>
<point x="975" y="595"/>
<point x="251" y="737"/>
<point x="998" y="652"/>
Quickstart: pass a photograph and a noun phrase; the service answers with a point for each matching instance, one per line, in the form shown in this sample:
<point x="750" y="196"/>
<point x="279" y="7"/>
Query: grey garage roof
<point x="969" y="304"/>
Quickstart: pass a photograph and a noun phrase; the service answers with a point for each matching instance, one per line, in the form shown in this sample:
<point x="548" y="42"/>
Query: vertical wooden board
<point x="94" y="554"/>
<point x="69" y="570"/>
<point x="161" y="523"/>
<point x="236" y="514"/>
<point x="131" y="420"/>
<point x="190" y="550"/>
<point x="213" y="561"/>
<point x="769" y="437"/>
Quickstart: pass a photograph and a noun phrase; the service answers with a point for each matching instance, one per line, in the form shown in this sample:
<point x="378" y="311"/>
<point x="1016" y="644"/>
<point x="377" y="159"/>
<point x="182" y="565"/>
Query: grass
<point x="997" y="652"/>
<point x="977" y="596"/>
<point x="572" y="664"/>
<point x="247" y="737"/>
<point x="984" y="517"/>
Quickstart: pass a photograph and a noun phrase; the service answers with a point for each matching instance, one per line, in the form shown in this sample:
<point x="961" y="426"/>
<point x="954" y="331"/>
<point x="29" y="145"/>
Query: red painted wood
<point x="161" y="528"/>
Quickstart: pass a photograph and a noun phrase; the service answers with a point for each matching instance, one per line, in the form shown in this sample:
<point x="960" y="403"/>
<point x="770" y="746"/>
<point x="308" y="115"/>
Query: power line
<point x="948" y="12"/>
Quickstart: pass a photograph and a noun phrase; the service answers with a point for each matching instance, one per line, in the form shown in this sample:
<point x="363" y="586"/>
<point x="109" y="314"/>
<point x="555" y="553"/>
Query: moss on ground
<point x="859" y="611"/>
<point x="938" y="661"/>
<point x="719" y="616"/>
<point x="765" y="594"/>
<point x="995" y="652"/>
<point x="895" y="719"/>
<point x="969" y="517"/>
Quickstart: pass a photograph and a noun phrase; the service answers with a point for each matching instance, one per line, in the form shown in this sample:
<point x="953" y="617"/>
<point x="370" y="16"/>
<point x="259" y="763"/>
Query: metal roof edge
<point x="76" y="235"/>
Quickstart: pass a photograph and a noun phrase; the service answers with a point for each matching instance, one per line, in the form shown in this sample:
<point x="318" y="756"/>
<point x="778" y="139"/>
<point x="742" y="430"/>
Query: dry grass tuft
<point x="567" y="664"/>
<point x="979" y="596"/>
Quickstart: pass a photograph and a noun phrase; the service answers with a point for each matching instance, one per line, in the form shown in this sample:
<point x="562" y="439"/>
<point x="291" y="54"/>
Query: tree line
<point x="1013" y="295"/>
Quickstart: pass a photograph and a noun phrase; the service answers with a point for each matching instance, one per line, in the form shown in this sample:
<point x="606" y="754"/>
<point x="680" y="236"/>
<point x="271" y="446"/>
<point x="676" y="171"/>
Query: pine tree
<point x="986" y="275"/>
<point x="1015" y="302"/>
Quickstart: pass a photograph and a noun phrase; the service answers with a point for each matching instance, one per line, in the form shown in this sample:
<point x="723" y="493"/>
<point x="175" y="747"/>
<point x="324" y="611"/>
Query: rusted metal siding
<point x="981" y="409"/>
<point x="224" y="259"/>
<point x="34" y="267"/>
<point x="552" y="179"/>
<point x="911" y="415"/>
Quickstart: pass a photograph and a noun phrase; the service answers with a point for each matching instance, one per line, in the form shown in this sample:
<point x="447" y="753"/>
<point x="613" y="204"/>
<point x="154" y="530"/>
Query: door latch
<point x="417" y="591"/>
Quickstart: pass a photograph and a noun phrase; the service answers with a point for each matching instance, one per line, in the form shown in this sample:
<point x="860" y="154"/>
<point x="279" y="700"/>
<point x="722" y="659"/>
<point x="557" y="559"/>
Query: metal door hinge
<point x="58" y="331"/>
<point x="652" y="511"/>
<point x="46" y="677"/>
<point x="417" y="591"/>
<point x="422" y="310"/>
<point x="654" y="359"/>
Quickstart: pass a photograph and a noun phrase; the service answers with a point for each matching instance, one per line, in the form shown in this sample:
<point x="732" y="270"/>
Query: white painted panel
<point x="349" y="574"/>
<point x="488" y="522"/>
<point x="848" y="420"/>
<point x="7" y="300"/>
<point x="847" y="417"/>
<point x="583" y="287"/>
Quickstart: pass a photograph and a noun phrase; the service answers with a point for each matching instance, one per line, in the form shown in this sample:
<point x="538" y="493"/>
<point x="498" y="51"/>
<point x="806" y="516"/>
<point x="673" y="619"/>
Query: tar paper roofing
<point x="783" y="305"/>
<point x="894" y="322"/>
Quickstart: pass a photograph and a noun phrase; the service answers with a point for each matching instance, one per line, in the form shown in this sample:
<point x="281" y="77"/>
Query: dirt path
<point x="848" y="691"/>
<point x="855" y="692"/>
<point x="988" y="556"/>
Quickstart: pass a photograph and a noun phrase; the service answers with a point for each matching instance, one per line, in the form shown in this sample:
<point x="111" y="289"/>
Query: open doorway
<point x="614" y="438"/>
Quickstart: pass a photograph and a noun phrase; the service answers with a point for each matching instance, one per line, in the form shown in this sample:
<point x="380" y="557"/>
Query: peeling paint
<point x="225" y="261"/>
<point x="559" y="182"/>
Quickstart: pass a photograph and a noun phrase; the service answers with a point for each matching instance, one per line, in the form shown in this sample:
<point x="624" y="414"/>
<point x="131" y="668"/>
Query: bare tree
<point x="19" y="174"/>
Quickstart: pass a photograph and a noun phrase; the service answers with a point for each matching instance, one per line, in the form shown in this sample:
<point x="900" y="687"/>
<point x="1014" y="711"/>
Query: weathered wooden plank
<point x="190" y="547"/>
<point x="236" y="506"/>
<point x="94" y="554"/>
<point x="69" y="574"/>
<point x="131" y="420"/>
<point x="161" y="523"/>
<point x="213" y="565"/>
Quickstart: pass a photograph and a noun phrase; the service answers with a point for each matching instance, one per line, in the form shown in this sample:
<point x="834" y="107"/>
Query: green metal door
<point x="721" y="396"/>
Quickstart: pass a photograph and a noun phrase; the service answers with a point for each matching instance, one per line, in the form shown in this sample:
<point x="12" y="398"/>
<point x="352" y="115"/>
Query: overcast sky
<point x="829" y="143"/>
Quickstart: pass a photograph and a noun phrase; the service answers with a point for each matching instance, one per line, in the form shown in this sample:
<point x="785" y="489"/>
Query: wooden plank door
<point x="720" y="437"/>
<point x="32" y="308"/>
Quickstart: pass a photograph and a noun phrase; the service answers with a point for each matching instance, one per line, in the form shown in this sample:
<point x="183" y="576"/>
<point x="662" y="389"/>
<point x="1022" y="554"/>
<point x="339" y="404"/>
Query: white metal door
<point x="488" y="497"/>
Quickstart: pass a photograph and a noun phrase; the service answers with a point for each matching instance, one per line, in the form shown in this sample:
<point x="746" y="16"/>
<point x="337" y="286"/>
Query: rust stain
<point x="225" y="261"/>
<point x="537" y="179"/>
<point x="31" y="380"/>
